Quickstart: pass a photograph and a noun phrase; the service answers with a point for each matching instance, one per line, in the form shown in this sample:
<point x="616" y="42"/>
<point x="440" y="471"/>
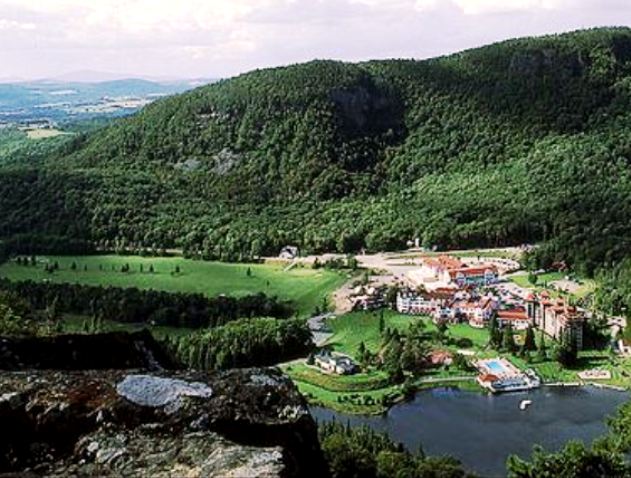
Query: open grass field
<point x="43" y="133"/>
<point x="555" y="281"/>
<point x="364" y="403"/>
<point x="522" y="279"/>
<point x="351" y="329"/>
<point x="305" y="288"/>
<point x="365" y="381"/>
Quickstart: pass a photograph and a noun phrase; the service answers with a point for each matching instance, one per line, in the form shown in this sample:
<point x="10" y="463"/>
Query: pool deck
<point x="499" y="375"/>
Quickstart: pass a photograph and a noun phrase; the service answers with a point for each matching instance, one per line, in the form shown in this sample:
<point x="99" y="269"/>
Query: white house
<point x="339" y="364"/>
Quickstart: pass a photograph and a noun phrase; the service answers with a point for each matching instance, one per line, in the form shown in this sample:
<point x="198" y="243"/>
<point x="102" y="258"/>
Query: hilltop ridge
<point x="519" y="141"/>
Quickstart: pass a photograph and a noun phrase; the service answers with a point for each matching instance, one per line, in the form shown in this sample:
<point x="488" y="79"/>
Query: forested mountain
<point x="525" y="140"/>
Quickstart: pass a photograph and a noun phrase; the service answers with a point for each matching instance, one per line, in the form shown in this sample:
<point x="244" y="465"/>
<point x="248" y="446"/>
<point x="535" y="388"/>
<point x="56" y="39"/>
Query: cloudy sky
<point x="219" y="38"/>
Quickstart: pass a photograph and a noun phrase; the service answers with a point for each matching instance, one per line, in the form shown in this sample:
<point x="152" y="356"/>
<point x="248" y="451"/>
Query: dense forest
<point x="242" y="343"/>
<point x="131" y="305"/>
<point x="361" y="452"/>
<point x="520" y="141"/>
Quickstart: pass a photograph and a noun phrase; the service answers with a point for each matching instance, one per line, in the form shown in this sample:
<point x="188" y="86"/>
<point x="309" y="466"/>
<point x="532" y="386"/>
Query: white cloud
<point x="145" y="15"/>
<point x="479" y="7"/>
<point x="476" y="7"/>
<point x="224" y="37"/>
<point x="14" y="25"/>
<point x="427" y="5"/>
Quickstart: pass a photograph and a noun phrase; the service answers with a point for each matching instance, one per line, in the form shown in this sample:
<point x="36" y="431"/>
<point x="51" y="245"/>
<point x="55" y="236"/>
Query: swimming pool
<point x="495" y="366"/>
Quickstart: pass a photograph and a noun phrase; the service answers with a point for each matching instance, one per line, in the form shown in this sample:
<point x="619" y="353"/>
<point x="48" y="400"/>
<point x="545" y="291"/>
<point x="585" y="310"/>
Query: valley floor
<point x="306" y="288"/>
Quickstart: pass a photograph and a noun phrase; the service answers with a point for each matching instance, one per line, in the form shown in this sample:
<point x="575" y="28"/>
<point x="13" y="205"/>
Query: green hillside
<point x="525" y="140"/>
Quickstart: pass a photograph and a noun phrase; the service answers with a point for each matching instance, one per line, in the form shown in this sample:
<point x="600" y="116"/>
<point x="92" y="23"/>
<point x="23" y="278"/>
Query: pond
<point x="483" y="430"/>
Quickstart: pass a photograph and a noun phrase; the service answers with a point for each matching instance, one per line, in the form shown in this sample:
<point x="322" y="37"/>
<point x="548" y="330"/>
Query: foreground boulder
<point x="240" y="423"/>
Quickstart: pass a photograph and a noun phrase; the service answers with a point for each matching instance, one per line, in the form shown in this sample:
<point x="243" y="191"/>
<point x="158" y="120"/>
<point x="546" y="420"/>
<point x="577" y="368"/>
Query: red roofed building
<point x="517" y="318"/>
<point x="477" y="312"/>
<point x="556" y="317"/>
<point x="474" y="276"/>
<point x="451" y="270"/>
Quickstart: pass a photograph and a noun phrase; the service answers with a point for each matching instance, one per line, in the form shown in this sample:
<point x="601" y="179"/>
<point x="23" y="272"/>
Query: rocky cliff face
<point x="240" y="423"/>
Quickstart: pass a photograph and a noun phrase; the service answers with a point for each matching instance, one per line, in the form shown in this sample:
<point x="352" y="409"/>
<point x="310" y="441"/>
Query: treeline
<point x="26" y="244"/>
<point x="243" y="343"/>
<point x="361" y="452"/>
<point x="613" y="296"/>
<point x="132" y="305"/>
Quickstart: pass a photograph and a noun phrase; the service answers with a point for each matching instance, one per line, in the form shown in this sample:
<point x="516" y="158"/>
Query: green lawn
<point x="351" y="329"/>
<point x="365" y="381"/>
<point x="354" y="403"/>
<point x="303" y="286"/>
<point x="522" y="279"/>
<point x="586" y="287"/>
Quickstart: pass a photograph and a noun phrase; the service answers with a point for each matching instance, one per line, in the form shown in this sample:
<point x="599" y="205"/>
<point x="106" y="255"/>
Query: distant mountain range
<point x="58" y="101"/>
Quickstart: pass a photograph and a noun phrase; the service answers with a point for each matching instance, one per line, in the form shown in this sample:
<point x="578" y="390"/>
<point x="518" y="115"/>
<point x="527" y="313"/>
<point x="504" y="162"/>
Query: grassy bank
<point x="304" y="287"/>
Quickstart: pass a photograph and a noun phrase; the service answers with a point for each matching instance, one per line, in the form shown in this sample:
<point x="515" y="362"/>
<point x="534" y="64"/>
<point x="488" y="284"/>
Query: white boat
<point x="524" y="404"/>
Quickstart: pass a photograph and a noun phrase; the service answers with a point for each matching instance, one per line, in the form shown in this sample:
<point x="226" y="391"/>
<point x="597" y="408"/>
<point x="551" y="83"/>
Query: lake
<point x="483" y="430"/>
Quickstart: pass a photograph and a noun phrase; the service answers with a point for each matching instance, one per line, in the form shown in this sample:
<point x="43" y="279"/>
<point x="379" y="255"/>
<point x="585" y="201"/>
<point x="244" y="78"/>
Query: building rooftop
<point x="512" y="314"/>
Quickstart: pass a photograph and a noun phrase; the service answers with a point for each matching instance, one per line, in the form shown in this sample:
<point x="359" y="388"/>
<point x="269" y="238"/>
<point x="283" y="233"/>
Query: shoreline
<point x="426" y="386"/>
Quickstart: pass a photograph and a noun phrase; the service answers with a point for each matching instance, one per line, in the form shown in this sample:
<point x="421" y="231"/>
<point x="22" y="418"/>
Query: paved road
<point x="319" y="330"/>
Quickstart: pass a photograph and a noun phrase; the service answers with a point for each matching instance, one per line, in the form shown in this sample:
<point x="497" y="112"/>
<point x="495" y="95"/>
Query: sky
<point x="171" y="39"/>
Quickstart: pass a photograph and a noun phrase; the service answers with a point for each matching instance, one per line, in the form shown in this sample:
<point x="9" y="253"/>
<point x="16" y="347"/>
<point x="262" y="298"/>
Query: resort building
<point x="451" y="272"/>
<point x="368" y="298"/>
<point x="499" y="375"/>
<point x="422" y="303"/>
<point x="481" y="276"/>
<point x="476" y="312"/>
<point x="556" y="317"/>
<point x="438" y="358"/>
<point x="517" y="318"/>
<point x="338" y="364"/>
<point x="447" y="305"/>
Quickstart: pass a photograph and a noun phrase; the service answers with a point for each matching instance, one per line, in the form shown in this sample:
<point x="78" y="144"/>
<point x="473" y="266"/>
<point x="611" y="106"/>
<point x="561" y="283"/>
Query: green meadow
<point x="305" y="288"/>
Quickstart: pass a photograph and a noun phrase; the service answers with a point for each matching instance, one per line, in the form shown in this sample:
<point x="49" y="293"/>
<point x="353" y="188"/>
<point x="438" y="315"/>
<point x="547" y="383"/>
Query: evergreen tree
<point x="529" y="339"/>
<point x="566" y="352"/>
<point x="495" y="334"/>
<point x="542" y="353"/>
<point x="533" y="278"/>
<point x="361" y="352"/>
<point x="382" y="322"/>
<point x="508" y="340"/>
